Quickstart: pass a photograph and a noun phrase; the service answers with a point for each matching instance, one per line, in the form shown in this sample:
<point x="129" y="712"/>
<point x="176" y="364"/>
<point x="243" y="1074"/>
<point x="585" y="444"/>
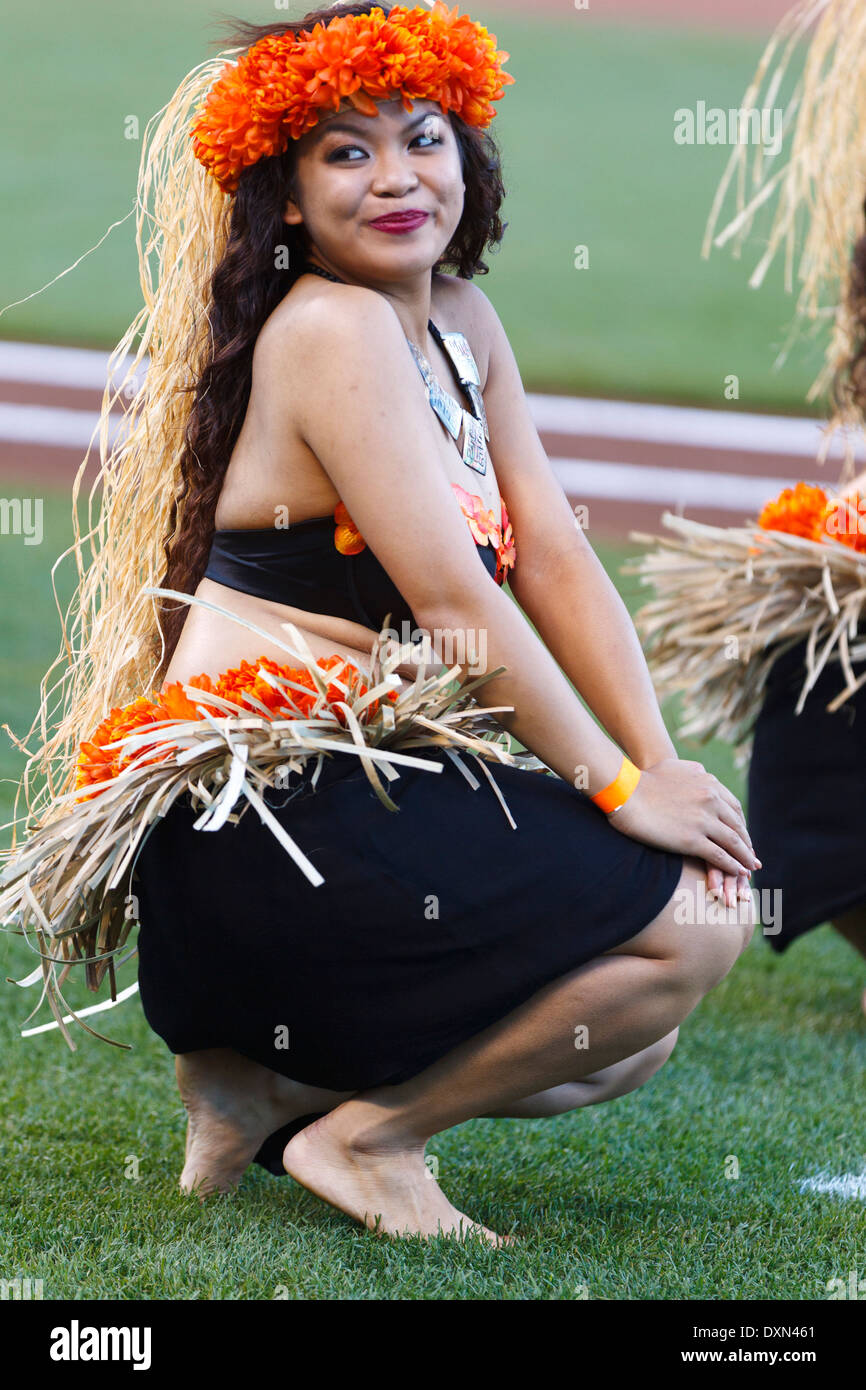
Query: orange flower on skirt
<point x="798" y="510"/>
<point x="243" y="685"/>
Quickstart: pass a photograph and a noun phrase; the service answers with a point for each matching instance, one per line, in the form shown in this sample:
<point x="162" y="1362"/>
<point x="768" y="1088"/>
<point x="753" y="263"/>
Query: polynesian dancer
<point x="362" y="917"/>
<point x="761" y="627"/>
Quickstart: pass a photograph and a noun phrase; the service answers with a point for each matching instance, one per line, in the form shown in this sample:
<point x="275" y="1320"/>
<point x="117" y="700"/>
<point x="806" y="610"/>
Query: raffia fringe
<point x="815" y="186"/>
<point x="730" y="601"/>
<point x="67" y="887"/>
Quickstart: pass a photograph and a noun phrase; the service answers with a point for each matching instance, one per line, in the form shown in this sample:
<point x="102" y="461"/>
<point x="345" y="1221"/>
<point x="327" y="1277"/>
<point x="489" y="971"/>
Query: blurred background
<point x="626" y="339"/>
<point x="587" y="137"/>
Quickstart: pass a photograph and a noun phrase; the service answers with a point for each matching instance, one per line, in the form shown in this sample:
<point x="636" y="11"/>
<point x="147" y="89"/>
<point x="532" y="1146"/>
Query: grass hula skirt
<point x="731" y="599"/>
<point x="224" y="743"/>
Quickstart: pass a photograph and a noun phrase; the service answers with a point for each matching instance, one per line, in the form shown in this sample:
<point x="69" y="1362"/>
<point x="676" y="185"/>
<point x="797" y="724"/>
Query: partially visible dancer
<point x="778" y="607"/>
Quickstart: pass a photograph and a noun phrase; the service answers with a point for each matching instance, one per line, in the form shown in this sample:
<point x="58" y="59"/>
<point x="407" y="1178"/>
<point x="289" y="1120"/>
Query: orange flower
<point x="176" y="704"/>
<point x="278" y="88"/>
<point x="798" y="510"/>
<point x="347" y="537"/>
<point x="487" y="531"/>
<point x="243" y="681"/>
<point x="805" y="510"/>
<point x="482" y="522"/>
<point x="507" y="553"/>
<point x="97" y="763"/>
<point x="844" y="520"/>
<point x="462" y="58"/>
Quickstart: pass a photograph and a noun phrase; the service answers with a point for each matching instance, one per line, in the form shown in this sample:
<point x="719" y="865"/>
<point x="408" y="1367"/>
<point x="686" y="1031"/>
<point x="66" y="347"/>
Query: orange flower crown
<point x="278" y="88"/>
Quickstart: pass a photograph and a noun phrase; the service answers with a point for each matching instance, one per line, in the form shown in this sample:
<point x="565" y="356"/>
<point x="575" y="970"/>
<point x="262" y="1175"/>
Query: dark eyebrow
<point x="355" y="128"/>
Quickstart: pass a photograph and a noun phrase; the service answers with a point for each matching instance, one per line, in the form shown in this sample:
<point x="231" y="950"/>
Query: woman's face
<point x="352" y="169"/>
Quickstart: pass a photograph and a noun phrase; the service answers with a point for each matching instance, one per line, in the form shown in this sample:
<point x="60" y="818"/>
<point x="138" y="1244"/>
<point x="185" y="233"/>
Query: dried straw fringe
<point x="824" y="179"/>
<point x="111" y="641"/>
<point x="69" y="885"/>
<point x="716" y="594"/>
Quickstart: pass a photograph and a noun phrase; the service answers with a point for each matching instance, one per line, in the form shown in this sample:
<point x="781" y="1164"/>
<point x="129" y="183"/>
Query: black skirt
<point x="432" y="922"/>
<point x="807" y="799"/>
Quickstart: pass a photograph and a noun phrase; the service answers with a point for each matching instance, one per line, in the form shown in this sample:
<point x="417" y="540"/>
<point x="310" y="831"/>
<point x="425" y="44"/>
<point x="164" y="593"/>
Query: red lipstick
<point x="398" y="222"/>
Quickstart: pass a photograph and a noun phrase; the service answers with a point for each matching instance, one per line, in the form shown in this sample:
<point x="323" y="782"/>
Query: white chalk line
<point x="687" y="487"/>
<point x="850" y="1186"/>
<point x="82" y="368"/>
<point x="87" y="369"/>
<point x="51" y="425"/>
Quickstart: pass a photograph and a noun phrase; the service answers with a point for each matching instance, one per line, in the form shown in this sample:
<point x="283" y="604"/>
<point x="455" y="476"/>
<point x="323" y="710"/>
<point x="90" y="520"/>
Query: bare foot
<point x="233" y="1104"/>
<point x="391" y="1192"/>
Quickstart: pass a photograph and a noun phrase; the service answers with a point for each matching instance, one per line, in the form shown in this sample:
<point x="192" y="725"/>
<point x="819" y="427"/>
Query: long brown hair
<point x="245" y="289"/>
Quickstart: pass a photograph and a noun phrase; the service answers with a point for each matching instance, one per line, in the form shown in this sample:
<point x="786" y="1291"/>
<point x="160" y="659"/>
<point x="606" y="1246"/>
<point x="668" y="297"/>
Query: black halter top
<point x="311" y="565"/>
<point x="301" y="566"/>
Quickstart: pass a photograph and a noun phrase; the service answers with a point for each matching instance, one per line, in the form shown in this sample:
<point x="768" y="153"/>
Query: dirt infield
<point x="738" y="16"/>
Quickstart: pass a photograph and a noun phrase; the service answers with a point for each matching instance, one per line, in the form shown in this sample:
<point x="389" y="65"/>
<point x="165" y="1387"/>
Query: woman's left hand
<point x="728" y="887"/>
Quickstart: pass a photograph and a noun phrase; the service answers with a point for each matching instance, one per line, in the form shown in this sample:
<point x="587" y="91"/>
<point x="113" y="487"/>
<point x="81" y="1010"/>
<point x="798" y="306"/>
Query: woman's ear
<point x="292" y="213"/>
<point x="291" y="208"/>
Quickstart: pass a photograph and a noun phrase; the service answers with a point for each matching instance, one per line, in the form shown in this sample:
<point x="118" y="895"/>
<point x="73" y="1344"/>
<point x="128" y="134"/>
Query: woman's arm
<point x="558" y="579"/>
<point x="587" y="628"/>
<point x="358" y="400"/>
<point x="359" y="403"/>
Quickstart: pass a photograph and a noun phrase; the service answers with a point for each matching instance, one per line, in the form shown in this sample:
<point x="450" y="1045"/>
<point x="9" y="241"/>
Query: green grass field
<point x="589" y="156"/>
<point x="628" y="1200"/>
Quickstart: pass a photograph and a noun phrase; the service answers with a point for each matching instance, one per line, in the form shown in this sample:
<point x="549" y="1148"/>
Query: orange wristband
<point x="611" y="797"/>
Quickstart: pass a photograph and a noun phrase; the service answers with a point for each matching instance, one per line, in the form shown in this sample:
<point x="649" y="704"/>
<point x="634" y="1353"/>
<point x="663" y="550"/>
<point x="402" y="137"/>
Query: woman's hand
<point x="677" y="805"/>
<point x="729" y="887"/>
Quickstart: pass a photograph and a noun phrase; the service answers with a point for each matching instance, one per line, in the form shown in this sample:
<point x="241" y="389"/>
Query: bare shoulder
<point x="312" y="314"/>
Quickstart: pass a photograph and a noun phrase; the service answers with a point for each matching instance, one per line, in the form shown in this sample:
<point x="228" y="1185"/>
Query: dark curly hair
<point x="245" y="289"/>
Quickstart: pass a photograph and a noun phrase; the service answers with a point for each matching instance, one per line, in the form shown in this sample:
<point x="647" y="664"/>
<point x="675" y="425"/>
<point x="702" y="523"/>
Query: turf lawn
<point x="589" y="158"/>
<point x="624" y="1201"/>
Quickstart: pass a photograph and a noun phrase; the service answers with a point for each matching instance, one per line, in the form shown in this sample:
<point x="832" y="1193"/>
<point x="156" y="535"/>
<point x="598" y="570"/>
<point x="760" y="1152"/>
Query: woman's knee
<point x="657" y="1054"/>
<point x="635" y="1071"/>
<point x="620" y="1078"/>
<point x="698" y="937"/>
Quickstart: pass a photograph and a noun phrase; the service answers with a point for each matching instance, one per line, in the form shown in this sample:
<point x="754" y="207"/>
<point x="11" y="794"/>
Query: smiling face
<point x="352" y="169"/>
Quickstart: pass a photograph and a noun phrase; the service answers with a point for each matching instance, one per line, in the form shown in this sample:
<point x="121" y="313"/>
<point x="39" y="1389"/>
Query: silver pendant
<point x="460" y="353"/>
<point x="422" y="364"/>
<point x="448" y="410"/>
<point x="474" y="393"/>
<point x="474" y="448"/>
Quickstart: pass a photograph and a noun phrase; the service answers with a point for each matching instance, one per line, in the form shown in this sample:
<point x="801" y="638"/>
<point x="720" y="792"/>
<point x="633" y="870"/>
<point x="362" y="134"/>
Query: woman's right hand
<point x="677" y="805"/>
